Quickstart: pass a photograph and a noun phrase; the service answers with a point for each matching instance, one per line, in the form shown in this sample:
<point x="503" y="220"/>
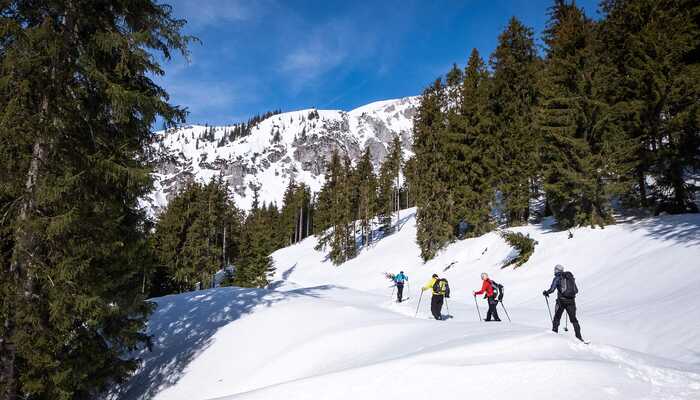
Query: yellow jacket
<point x="429" y="285"/>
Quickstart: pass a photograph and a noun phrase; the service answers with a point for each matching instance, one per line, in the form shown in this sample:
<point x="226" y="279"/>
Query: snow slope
<point x="325" y="332"/>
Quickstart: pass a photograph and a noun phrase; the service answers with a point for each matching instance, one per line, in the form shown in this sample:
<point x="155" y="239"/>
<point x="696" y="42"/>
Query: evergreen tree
<point x="652" y="50"/>
<point x="513" y="97"/>
<point x="433" y="197"/>
<point x="476" y="147"/>
<point x="296" y="213"/>
<point x="255" y="265"/>
<point x="78" y="103"/>
<point x="348" y="206"/>
<point x="581" y="156"/>
<point x="410" y="173"/>
<point x="197" y="235"/>
<point x="334" y="212"/>
<point x="367" y="195"/>
<point x="389" y="185"/>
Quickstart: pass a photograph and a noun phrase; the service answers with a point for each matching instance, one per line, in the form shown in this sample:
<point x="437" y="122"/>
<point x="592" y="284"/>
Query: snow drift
<point x="325" y="332"/>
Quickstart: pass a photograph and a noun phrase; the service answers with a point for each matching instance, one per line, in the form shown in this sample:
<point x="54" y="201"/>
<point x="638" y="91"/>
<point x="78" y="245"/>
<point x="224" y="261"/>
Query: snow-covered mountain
<point x="326" y="332"/>
<point x="291" y="145"/>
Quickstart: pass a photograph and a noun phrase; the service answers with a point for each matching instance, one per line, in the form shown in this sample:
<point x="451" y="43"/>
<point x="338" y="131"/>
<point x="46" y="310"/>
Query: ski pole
<point x="477" y="308"/>
<point x="551" y="319"/>
<point x="504" y="309"/>
<point x="392" y="290"/>
<point x="447" y="306"/>
<point x="419" y="299"/>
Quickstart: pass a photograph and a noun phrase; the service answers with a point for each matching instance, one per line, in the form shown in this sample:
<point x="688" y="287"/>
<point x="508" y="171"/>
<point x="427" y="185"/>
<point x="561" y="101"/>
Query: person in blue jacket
<point x="399" y="281"/>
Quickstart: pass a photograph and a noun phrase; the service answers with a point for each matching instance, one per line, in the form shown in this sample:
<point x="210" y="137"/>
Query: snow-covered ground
<point x="326" y="332"/>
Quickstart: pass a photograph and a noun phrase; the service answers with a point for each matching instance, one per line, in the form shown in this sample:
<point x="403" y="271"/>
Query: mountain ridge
<point x="294" y="145"/>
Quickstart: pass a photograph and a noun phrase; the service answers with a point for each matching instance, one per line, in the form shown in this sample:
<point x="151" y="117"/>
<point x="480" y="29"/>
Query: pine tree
<point x="255" y="265"/>
<point x="410" y="186"/>
<point x="476" y="148"/>
<point x="433" y="197"/>
<point x="334" y="212"/>
<point x="651" y="48"/>
<point x="197" y="235"/>
<point x="367" y="195"/>
<point x="512" y="101"/>
<point x="580" y="156"/>
<point x="389" y="185"/>
<point x="78" y="104"/>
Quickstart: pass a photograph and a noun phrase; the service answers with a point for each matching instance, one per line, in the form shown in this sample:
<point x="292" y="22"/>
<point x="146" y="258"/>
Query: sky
<point x="262" y="55"/>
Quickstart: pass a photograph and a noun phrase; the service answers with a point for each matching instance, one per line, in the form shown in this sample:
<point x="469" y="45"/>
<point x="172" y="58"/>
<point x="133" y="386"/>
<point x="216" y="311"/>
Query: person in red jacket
<point x="487" y="289"/>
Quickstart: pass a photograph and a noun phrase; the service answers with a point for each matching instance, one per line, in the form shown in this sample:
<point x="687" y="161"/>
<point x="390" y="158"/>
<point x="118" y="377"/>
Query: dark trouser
<point x="570" y="307"/>
<point x="493" y="309"/>
<point x="399" y="291"/>
<point x="436" y="306"/>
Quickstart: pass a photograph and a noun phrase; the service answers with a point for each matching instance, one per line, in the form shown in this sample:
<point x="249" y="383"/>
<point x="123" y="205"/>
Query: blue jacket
<point x="400" y="278"/>
<point x="556" y="284"/>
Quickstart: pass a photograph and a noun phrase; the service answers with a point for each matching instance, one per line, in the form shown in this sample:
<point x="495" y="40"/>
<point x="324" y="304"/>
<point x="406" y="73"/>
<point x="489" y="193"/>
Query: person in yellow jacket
<point x="440" y="289"/>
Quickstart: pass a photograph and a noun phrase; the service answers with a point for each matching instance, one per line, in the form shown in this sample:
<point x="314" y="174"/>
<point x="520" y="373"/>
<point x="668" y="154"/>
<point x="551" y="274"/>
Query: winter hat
<point x="435" y="276"/>
<point x="401" y="272"/>
<point x="558" y="268"/>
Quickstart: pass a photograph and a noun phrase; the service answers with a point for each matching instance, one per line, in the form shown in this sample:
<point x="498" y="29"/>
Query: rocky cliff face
<point x="294" y="145"/>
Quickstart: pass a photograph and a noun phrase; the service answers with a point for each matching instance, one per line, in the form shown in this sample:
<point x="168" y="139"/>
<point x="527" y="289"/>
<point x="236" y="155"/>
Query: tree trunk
<point x="20" y="266"/>
<point x="642" y="188"/>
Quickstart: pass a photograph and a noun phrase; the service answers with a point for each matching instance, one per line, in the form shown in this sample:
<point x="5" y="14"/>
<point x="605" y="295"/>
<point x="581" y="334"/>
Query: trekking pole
<point x="504" y="309"/>
<point x="551" y="319"/>
<point x="566" y="323"/>
<point x="477" y="308"/>
<point x="419" y="299"/>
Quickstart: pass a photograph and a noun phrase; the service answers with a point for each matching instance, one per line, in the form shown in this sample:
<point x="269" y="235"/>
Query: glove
<point x="474" y="293"/>
<point x="545" y="294"/>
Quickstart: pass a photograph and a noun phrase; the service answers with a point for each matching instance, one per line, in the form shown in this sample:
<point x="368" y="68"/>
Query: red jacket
<point x="486" y="287"/>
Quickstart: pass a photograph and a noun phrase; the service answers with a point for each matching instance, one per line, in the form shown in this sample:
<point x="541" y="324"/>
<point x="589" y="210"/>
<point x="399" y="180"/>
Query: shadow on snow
<point x="183" y="326"/>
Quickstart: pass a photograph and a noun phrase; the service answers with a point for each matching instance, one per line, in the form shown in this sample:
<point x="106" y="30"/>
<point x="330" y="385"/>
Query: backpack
<point x="441" y="286"/>
<point x="567" y="286"/>
<point x="497" y="291"/>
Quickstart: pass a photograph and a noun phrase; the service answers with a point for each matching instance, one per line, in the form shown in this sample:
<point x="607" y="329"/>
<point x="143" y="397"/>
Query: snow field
<point x="327" y="332"/>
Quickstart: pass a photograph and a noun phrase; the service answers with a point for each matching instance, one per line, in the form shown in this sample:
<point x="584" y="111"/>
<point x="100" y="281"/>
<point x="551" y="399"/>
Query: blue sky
<point x="260" y="55"/>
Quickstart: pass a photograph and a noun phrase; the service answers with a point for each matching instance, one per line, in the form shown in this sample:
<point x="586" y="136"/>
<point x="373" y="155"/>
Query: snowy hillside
<point x="325" y="332"/>
<point x="288" y="145"/>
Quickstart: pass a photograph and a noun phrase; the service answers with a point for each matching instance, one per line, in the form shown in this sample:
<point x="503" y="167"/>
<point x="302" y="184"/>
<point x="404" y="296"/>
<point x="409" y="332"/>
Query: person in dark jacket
<point x="487" y="289"/>
<point x="563" y="303"/>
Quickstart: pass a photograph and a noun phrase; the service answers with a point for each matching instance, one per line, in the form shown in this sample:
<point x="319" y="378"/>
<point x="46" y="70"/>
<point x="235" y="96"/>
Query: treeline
<point x="201" y="233"/>
<point x="353" y="197"/>
<point x="244" y="129"/>
<point x="610" y="112"/>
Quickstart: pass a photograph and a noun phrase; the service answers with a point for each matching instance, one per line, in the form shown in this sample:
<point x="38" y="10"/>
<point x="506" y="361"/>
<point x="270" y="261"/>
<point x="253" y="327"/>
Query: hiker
<point x="490" y="296"/>
<point x="565" y="285"/>
<point x="441" y="289"/>
<point x="399" y="282"/>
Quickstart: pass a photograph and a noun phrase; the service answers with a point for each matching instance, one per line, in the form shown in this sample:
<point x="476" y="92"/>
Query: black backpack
<point x="497" y="291"/>
<point x="567" y="286"/>
<point x="438" y="287"/>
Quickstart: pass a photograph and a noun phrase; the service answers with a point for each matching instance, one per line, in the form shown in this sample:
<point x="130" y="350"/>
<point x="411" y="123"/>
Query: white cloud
<point x="326" y="47"/>
<point x="201" y="13"/>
